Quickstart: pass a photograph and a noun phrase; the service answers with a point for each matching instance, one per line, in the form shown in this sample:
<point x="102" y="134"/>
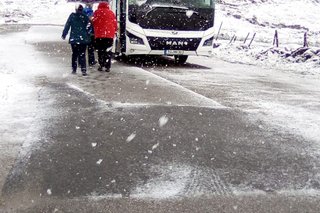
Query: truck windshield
<point x="186" y="15"/>
<point x="186" y="3"/>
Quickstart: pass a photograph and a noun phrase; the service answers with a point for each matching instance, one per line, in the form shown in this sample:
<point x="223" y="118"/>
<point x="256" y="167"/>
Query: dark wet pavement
<point x="97" y="144"/>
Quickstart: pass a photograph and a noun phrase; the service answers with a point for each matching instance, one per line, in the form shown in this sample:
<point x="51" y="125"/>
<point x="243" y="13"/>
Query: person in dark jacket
<point x="89" y="12"/>
<point x="105" y="27"/>
<point x="79" y="38"/>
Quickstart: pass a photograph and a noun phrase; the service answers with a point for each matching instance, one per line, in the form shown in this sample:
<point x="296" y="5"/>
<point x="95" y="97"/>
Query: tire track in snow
<point x="205" y="183"/>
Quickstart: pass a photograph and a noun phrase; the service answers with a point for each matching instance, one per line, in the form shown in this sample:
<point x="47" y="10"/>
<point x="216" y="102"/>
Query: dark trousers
<point x="91" y="58"/>
<point x="104" y="56"/>
<point x="78" y="56"/>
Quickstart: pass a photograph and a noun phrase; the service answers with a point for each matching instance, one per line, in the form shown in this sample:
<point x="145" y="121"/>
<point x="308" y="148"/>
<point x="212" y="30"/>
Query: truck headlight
<point x="208" y="42"/>
<point x="134" y="39"/>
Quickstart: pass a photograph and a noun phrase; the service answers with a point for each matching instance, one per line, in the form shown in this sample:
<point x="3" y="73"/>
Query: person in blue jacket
<point x="79" y="38"/>
<point x="89" y="12"/>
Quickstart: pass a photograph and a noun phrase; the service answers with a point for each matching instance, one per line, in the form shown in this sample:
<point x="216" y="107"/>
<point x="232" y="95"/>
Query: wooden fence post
<point x="232" y="38"/>
<point x="254" y="35"/>
<point x="305" y="40"/>
<point x="245" y="40"/>
<point x="276" y="39"/>
<point x="219" y="30"/>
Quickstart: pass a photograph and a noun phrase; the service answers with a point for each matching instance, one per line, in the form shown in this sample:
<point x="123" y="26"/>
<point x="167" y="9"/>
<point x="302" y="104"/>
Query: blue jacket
<point x="88" y="11"/>
<point x="78" y="22"/>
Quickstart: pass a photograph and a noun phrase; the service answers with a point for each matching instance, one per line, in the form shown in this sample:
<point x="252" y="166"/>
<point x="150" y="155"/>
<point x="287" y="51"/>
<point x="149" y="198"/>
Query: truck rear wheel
<point x="180" y="59"/>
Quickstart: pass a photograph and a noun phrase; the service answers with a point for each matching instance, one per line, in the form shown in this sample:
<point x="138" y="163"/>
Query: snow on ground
<point x="35" y="12"/>
<point x="175" y="181"/>
<point x="20" y="124"/>
<point x="171" y="182"/>
<point x="290" y="18"/>
<point x="239" y="17"/>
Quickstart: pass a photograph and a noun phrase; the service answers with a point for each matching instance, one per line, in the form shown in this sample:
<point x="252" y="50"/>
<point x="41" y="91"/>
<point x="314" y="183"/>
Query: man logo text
<point x="176" y="43"/>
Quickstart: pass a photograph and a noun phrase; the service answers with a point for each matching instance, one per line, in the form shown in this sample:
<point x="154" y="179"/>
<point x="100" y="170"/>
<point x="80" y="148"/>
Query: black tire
<point x="180" y="59"/>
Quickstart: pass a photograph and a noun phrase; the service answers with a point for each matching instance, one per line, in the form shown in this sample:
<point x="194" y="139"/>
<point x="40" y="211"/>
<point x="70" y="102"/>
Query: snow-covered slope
<point x="34" y="11"/>
<point x="290" y="18"/>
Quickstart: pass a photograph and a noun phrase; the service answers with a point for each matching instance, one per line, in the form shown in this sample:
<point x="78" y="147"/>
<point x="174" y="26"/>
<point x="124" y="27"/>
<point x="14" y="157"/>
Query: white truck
<point x="176" y="28"/>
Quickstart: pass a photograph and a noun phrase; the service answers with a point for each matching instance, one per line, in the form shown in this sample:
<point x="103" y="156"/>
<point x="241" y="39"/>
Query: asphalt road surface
<point x="143" y="138"/>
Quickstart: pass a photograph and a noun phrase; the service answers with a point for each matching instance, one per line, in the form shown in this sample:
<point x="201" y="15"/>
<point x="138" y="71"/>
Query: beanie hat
<point x="79" y="8"/>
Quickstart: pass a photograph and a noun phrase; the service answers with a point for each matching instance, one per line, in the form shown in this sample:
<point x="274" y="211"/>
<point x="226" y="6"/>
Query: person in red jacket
<point x="105" y="28"/>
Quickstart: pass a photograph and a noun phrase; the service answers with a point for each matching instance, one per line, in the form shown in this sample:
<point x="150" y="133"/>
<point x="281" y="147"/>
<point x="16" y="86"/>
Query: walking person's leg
<point x="104" y="56"/>
<point x="91" y="58"/>
<point x="108" y="61"/>
<point x="82" y="58"/>
<point x="99" y="47"/>
<point x="74" y="57"/>
<point x="109" y="43"/>
<point x="100" y="58"/>
<point x="104" y="51"/>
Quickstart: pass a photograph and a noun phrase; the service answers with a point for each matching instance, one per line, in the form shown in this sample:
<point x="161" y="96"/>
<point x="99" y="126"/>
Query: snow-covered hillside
<point x="290" y="18"/>
<point x="238" y="18"/>
<point x="34" y="11"/>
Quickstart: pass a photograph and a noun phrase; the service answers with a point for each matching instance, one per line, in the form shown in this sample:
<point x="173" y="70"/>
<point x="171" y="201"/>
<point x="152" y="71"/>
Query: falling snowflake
<point x="99" y="161"/>
<point x="155" y="146"/>
<point x="49" y="192"/>
<point x="131" y="137"/>
<point x="93" y="144"/>
<point x="77" y="127"/>
<point x="163" y="121"/>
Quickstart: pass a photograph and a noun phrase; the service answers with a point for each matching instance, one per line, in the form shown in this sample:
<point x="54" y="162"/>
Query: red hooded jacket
<point x="104" y="22"/>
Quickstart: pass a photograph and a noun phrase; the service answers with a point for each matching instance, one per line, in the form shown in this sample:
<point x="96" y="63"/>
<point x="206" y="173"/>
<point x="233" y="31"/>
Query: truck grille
<point x="187" y="44"/>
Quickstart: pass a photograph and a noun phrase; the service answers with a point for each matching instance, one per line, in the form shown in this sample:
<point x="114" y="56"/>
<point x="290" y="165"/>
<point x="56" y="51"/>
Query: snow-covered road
<point x="207" y="128"/>
<point x="282" y="99"/>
